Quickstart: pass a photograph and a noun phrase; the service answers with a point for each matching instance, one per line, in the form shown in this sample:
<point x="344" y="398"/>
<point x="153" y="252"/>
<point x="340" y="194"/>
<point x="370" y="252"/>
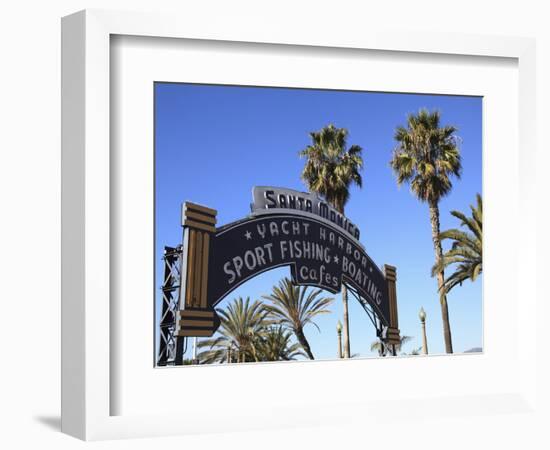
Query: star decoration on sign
<point x="248" y="235"/>
<point x="336" y="259"/>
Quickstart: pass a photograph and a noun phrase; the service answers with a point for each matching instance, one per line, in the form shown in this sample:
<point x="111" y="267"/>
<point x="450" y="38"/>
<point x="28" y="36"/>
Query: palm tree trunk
<point x="254" y="354"/>
<point x="434" y="219"/>
<point x="347" y="351"/>
<point x="300" y="336"/>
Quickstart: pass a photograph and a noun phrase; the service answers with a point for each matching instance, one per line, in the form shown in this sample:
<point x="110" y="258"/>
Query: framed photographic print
<point x="262" y="222"/>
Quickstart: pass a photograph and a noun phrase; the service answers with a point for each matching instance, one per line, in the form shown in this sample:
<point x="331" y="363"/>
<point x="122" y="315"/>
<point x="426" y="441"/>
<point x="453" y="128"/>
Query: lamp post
<point x="422" y="317"/>
<point x="194" y="358"/>
<point x="339" y="331"/>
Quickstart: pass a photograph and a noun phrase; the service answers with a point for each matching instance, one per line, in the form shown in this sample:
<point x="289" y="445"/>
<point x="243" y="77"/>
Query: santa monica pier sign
<point x="285" y="228"/>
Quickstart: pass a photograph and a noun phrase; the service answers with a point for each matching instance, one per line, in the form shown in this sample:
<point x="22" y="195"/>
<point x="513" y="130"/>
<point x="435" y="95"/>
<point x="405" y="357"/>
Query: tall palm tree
<point x="293" y="307"/>
<point x="276" y="345"/>
<point x="426" y="157"/>
<point x="382" y="348"/>
<point x="242" y="325"/>
<point x="466" y="253"/>
<point x="330" y="170"/>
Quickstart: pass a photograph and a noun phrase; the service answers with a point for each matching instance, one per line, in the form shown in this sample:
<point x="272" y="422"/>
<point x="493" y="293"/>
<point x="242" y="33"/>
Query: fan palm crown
<point x="426" y="156"/>
<point x="331" y="168"/>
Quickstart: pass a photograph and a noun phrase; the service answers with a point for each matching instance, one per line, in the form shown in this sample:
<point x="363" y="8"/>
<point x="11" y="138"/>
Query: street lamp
<point x="422" y="317"/>
<point x="339" y="331"/>
<point x="194" y="357"/>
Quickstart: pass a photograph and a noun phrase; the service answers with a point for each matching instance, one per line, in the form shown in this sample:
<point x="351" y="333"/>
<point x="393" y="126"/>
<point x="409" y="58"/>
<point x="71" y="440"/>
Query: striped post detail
<point x="195" y="317"/>
<point x="392" y="335"/>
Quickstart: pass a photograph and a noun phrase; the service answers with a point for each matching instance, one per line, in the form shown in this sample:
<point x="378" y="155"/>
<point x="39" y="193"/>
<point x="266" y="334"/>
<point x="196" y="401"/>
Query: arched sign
<point x="286" y="228"/>
<point x="318" y="255"/>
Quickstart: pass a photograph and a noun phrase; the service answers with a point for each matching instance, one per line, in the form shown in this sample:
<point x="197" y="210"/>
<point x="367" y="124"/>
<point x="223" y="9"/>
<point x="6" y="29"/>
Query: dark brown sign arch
<point x="318" y="251"/>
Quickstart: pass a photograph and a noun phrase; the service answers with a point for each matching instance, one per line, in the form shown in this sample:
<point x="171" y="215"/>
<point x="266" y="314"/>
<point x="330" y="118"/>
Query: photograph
<point x="298" y="224"/>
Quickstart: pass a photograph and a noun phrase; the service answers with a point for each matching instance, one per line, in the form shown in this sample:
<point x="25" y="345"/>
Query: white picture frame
<point x="88" y="382"/>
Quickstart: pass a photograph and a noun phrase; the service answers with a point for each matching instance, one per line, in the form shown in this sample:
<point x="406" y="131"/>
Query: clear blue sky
<point x="214" y="143"/>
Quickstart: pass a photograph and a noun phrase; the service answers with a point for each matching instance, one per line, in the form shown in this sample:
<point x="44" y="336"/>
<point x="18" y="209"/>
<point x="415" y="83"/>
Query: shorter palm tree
<point x="466" y="253"/>
<point x="276" y="345"/>
<point x="382" y="348"/>
<point x="242" y="325"/>
<point x="293" y="307"/>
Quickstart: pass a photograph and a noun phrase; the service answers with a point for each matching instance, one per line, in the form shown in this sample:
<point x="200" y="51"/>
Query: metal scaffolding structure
<point x="171" y="348"/>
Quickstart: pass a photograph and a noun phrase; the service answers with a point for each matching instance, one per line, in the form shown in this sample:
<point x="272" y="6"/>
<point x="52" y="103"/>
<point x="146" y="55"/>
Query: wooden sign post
<point x="392" y="335"/>
<point x="195" y="317"/>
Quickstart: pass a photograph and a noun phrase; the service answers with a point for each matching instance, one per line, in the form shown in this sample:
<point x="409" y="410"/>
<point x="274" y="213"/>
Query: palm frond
<point x="296" y="307"/>
<point x="466" y="253"/>
<point x="242" y="324"/>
